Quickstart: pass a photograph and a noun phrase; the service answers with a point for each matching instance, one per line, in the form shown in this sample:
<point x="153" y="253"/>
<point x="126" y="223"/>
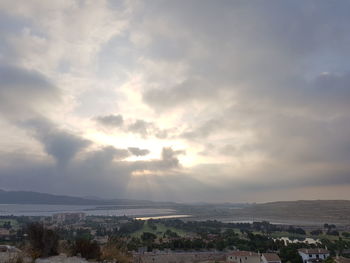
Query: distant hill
<point x="27" y="197"/>
<point x="322" y="211"/>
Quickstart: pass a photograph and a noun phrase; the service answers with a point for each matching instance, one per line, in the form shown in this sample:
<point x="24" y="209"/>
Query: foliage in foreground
<point x="86" y="248"/>
<point x="43" y="242"/>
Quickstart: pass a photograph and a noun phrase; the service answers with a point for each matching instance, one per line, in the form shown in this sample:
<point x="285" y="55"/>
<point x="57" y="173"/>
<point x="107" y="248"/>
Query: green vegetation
<point x="13" y="223"/>
<point x="159" y="230"/>
<point x="43" y="242"/>
<point x="122" y="235"/>
<point x="86" y="248"/>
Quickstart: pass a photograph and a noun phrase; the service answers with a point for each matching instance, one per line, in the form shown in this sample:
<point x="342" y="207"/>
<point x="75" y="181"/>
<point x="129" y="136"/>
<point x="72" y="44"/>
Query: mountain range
<point x="28" y="197"/>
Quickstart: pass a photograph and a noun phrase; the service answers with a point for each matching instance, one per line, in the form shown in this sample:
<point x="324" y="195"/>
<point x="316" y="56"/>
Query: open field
<point x="14" y="223"/>
<point x="161" y="229"/>
<point x="314" y="212"/>
<point x="330" y="211"/>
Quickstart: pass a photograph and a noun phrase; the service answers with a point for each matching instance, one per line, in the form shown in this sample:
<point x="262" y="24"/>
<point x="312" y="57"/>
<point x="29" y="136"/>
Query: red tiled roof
<point x="271" y="257"/>
<point x="314" y="251"/>
<point x="244" y="254"/>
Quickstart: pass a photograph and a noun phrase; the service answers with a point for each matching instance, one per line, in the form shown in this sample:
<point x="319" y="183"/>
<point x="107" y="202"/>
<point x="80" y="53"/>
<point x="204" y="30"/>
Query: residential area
<point x="65" y="236"/>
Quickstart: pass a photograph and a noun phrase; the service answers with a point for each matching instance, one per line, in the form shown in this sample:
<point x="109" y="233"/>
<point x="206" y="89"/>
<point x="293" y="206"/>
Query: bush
<point x="43" y="242"/>
<point x="112" y="252"/>
<point x="316" y="232"/>
<point x="86" y="248"/>
<point x="333" y="233"/>
<point x="146" y="236"/>
<point x="346" y="234"/>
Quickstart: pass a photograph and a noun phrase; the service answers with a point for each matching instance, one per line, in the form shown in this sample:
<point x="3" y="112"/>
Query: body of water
<point x="48" y="210"/>
<point x="162" y="217"/>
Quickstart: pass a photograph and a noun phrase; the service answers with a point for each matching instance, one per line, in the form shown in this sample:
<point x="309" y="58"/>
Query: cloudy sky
<point x="196" y="100"/>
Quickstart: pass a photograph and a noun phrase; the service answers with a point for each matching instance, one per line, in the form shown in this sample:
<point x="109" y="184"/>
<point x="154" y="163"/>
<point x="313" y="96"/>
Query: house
<point x="178" y="257"/>
<point x="67" y="217"/>
<point x="312" y="255"/>
<point x="270" y="258"/>
<point x="243" y="257"/>
<point x="4" y="232"/>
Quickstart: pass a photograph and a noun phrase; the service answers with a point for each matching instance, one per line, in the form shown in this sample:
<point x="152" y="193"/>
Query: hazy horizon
<point x="185" y="101"/>
<point x="179" y="202"/>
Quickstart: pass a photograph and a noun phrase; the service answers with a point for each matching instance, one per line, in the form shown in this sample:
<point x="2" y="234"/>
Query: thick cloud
<point x="110" y="120"/>
<point x="24" y="92"/>
<point x="104" y="170"/>
<point x="136" y="126"/>
<point x="60" y="144"/>
<point x="188" y="91"/>
<point x="138" y="152"/>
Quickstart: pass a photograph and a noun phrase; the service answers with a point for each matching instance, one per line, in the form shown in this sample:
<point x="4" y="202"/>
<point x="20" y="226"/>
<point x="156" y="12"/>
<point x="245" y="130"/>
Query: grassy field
<point x="14" y="223"/>
<point x="296" y="212"/>
<point x="287" y="234"/>
<point x="161" y="229"/>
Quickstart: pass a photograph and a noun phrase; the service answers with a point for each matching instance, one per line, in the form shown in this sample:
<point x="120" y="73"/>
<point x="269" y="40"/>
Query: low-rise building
<point x="4" y="232"/>
<point x="67" y="217"/>
<point x="243" y="257"/>
<point x="178" y="257"/>
<point x="270" y="258"/>
<point x="312" y="255"/>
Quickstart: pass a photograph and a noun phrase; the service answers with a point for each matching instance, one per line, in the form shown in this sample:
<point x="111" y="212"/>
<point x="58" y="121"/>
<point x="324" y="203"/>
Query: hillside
<point x="27" y="197"/>
<point x="322" y="211"/>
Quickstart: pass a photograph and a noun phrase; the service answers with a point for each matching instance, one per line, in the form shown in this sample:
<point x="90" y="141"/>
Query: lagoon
<point x="49" y="210"/>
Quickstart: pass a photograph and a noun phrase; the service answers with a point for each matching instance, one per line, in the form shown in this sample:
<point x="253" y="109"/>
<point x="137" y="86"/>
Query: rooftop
<point x="313" y="251"/>
<point x="271" y="257"/>
<point x="244" y="254"/>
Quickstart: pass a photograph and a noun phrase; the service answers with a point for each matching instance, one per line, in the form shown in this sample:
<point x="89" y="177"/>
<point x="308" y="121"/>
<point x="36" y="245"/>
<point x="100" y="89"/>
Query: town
<point x="76" y="236"/>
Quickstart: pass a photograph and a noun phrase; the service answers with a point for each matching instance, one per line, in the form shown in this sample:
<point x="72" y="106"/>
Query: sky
<point x="187" y="101"/>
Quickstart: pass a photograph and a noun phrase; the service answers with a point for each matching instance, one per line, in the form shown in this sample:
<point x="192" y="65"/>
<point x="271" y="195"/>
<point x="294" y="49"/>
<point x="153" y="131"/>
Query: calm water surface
<point x="48" y="210"/>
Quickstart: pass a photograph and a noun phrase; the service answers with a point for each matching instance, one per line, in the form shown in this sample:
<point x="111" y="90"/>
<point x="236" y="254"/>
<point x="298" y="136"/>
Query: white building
<point x="71" y="217"/>
<point x="312" y="255"/>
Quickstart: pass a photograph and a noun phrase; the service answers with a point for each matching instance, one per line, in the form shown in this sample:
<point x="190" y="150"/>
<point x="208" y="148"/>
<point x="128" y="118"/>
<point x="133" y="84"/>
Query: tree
<point x="43" y="242"/>
<point x="316" y="232"/>
<point x="116" y="250"/>
<point x="7" y="225"/>
<point x="289" y="253"/>
<point x="346" y="234"/>
<point x="86" y="248"/>
<point x="147" y="236"/>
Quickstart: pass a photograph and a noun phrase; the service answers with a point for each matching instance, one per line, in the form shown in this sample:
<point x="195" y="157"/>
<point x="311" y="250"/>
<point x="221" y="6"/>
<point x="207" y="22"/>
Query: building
<point x="312" y="255"/>
<point x="67" y="217"/>
<point x="4" y="232"/>
<point x="178" y="257"/>
<point x="270" y="258"/>
<point x="243" y="257"/>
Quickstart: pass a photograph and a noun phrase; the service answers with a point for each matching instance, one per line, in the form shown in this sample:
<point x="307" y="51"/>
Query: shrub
<point x="86" y="248"/>
<point x="43" y="242"/>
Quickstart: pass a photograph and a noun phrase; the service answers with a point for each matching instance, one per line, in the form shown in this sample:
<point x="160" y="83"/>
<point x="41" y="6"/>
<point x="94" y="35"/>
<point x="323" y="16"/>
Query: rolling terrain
<point x="290" y="212"/>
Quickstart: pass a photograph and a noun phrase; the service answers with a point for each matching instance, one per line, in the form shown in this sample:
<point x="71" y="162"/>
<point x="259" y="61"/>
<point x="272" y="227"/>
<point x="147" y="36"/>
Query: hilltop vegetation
<point x="293" y="212"/>
<point x="336" y="211"/>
